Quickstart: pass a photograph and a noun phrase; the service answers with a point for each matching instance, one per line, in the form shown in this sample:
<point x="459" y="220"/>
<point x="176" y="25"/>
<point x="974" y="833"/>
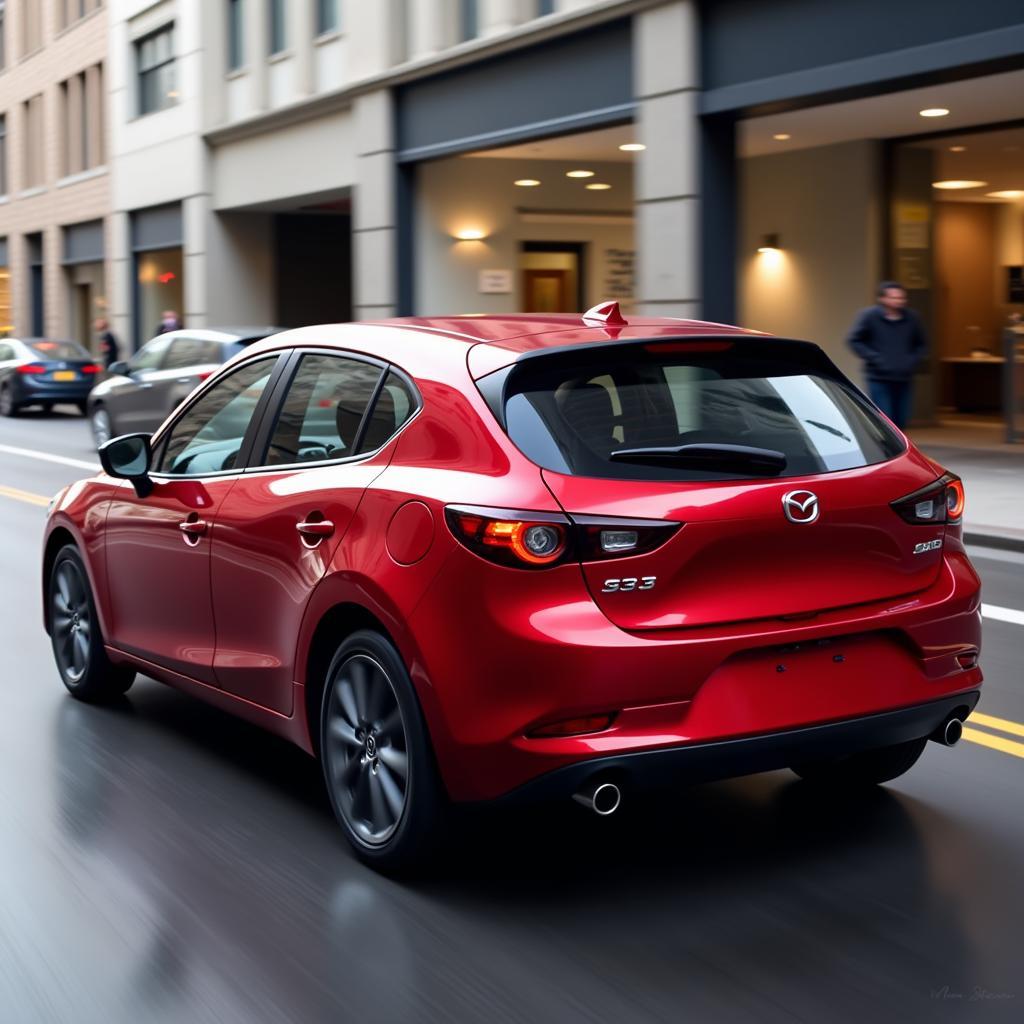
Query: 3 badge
<point x="800" y="507"/>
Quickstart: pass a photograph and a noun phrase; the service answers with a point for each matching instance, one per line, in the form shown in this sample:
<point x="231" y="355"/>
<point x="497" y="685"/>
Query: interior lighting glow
<point x="933" y="112"/>
<point x="470" y="235"/>
<point x="526" y="182"/>
<point x="781" y="136"/>
<point x="598" y="186"/>
<point x="579" y="174"/>
<point x="958" y="149"/>
<point x="954" y="183"/>
<point x="632" y="147"/>
<point x="1007" y="193"/>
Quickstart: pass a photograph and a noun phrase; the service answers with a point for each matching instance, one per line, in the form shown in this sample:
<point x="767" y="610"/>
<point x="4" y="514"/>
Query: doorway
<point x="552" y="276"/>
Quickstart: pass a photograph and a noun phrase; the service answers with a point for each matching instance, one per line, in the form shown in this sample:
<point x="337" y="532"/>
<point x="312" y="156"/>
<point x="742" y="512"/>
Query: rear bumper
<point x="47" y="391"/>
<point x="707" y="762"/>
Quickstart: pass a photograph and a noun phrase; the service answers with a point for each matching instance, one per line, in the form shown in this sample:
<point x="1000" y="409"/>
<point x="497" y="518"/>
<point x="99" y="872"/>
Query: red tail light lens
<point x="939" y="502"/>
<point x="538" y="540"/>
<point x="204" y="375"/>
<point x="31" y="369"/>
<point x="92" y="368"/>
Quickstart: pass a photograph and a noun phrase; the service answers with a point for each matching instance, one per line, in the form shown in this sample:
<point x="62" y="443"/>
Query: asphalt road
<point x="161" y="861"/>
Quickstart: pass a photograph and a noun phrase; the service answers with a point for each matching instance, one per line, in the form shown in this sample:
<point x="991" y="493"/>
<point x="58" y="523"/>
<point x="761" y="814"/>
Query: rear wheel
<point x="376" y="754"/>
<point x="868" y="768"/>
<point x="82" y="661"/>
<point x="102" y="426"/>
<point x="8" y="406"/>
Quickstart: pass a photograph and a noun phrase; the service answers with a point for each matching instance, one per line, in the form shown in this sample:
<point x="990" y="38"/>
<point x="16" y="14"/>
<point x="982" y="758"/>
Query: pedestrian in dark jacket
<point x="108" y="343"/>
<point x="891" y="341"/>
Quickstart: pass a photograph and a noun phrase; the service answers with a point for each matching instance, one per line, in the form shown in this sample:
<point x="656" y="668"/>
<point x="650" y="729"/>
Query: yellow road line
<point x="25" y="496"/>
<point x="995" y="742"/>
<point x="1013" y="728"/>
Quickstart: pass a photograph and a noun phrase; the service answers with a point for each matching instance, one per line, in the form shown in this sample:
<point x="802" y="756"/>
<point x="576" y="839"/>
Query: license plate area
<point x="65" y="375"/>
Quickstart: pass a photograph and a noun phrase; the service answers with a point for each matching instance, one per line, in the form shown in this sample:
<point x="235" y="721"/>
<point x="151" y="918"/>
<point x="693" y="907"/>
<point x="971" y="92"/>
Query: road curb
<point x="994" y="540"/>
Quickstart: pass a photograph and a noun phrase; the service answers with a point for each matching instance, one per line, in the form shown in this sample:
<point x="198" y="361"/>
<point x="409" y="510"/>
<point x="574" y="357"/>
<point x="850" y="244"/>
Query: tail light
<point x="574" y="726"/>
<point x="31" y="369"/>
<point x="539" y="540"/>
<point x="939" y="502"/>
<point x="92" y="368"/>
<point x="204" y="375"/>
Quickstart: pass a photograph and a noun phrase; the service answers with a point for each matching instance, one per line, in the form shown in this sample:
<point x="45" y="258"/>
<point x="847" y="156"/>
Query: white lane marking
<point x="993" y="611"/>
<point x="63" y="460"/>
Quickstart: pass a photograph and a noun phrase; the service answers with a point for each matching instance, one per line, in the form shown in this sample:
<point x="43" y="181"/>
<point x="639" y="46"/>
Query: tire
<point x="8" y="407"/>
<point x="102" y="425"/>
<point x="78" y="649"/>
<point x="868" y="768"/>
<point x="371" y="730"/>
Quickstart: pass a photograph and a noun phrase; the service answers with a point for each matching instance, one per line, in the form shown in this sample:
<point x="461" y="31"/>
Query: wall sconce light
<point x="769" y="243"/>
<point x="469" y="235"/>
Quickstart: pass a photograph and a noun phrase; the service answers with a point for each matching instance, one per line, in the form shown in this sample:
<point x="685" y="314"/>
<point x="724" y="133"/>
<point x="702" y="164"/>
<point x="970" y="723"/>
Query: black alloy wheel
<point x="377" y="760"/>
<point x="78" y="648"/>
<point x="102" y="426"/>
<point x="8" y="407"/>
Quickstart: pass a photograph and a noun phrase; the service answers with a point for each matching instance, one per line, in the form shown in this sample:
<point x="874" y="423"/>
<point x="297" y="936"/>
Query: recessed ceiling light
<point x="632" y="147"/>
<point x="782" y="136"/>
<point x="579" y="174"/>
<point x="958" y="149"/>
<point x="1007" y="193"/>
<point x="958" y="183"/>
<point x="933" y="112"/>
<point x="598" y="186"/>
<point x="526" y="182"/>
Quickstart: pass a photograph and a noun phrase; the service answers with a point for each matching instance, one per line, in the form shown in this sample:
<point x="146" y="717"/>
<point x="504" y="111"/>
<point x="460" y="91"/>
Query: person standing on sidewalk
<point x="891" y="341"/>
<point x="108" y="343"/>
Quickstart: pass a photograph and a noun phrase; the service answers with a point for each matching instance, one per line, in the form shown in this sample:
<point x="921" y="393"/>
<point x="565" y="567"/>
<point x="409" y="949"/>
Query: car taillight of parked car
<point x="31" y="369"/>
<point x="92" y="368"/>
<point x="539" y="540"/>
<point x="939" y="502"/>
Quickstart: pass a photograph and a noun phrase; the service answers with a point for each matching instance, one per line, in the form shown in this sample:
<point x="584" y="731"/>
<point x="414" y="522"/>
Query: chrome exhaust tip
<point x="949" y="733"/>
<point x="602" y="798"/>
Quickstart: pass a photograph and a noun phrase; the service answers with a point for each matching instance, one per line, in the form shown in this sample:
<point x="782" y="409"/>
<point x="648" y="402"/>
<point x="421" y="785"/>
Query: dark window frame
<point x="152" y="71"/>
<point x="328" y="17"/>
<point x="235" y="13"/>
<point x="277" y="28"/>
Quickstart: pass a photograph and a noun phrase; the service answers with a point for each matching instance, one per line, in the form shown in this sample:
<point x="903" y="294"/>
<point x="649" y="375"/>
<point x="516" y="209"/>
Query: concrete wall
<point x="478" y="193"/>
<point x="825" y="206"/>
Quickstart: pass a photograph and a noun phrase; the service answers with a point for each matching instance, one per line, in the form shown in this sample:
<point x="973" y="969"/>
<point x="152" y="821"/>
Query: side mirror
<point x="119" y="368"/>
<point x="129" y="458"/>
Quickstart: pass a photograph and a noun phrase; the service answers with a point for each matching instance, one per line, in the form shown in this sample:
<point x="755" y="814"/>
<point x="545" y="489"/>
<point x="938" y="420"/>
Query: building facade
<point x="55" y="194"/>
<point x="297" y="161"/>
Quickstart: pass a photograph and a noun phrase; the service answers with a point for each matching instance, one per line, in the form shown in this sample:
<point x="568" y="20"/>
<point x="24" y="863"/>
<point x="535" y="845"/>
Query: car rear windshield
<point x="62" y="350"/>
<point x="689" y="411"/>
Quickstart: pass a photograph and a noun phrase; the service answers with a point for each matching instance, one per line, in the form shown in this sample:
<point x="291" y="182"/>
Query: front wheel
<point x="868" y="768"/>
<point x="78" y="648"/>
<point x="102" y="426"/>
<point x="377" y="759"/>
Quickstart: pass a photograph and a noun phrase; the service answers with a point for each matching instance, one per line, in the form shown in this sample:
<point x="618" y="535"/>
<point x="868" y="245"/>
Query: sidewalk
<point x="993" y="475"/>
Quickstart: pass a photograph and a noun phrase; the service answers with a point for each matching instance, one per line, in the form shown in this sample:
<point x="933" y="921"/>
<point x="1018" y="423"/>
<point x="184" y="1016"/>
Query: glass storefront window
<point x="160" y="284"/>
<point x="6" y="326"/>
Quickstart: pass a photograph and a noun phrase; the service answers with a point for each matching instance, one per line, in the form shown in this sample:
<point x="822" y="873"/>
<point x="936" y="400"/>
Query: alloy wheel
<point x="366" y="749"/>
<point x="72" y="621"/>
<point x="101" y="428"/>
<point x="6" y="401"/>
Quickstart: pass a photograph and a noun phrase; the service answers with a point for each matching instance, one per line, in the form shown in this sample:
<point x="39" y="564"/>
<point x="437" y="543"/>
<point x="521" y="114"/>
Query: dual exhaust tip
<point x="605" y="798"/>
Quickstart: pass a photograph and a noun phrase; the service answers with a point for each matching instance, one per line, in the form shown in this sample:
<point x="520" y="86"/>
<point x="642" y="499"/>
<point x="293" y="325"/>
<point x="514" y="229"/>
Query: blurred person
<point x="169" y="321"/>
<point x="891" y="341"/>
<point x="109" y="348"/>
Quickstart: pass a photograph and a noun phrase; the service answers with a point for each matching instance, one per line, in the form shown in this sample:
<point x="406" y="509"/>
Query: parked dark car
<point x="140" y="393"/>
<point x="39" y="371"/>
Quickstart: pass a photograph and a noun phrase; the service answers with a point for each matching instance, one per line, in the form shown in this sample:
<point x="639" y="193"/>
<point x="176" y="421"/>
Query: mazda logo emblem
<point x="800" y="506"/>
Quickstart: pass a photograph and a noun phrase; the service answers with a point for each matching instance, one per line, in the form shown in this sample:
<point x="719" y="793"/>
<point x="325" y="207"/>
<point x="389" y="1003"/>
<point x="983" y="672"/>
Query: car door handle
<point x="193" y="528"/>
<point x="315" y="530"/>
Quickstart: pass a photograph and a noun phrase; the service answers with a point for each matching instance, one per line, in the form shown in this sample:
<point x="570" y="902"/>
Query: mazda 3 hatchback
<point x="505" y="558"/>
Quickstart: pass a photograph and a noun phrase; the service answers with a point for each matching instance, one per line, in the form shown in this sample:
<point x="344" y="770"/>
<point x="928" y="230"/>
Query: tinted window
<point x="61" y="350"/>
<point x="394" y="405"/>
<point x="323" y="410"/>
<point x="6" y="352"/>
<point x="571" y="412"/>
<point x="208" y="437"/>
<point x="149" y="356"/>
<point x="185" y="352"/>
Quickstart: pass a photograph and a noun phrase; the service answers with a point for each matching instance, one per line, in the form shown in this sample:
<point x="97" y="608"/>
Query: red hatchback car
<point x="470" y="558"/>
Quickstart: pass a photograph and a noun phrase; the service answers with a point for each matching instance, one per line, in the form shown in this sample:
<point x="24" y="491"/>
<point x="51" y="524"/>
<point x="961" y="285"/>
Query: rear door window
<point x="186" y="352"/>
<point x="663" y="411"/>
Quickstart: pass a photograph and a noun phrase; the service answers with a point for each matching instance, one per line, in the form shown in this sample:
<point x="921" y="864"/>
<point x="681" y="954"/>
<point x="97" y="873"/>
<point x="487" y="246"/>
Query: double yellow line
<point x="988" y="739"/>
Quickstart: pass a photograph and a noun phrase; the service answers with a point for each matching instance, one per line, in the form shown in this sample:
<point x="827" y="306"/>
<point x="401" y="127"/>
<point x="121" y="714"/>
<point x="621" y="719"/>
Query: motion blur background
<point x="302" y="161"/>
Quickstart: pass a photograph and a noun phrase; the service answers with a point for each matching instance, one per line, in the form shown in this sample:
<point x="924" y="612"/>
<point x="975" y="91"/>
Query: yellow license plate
<point x="64" y="375"/>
